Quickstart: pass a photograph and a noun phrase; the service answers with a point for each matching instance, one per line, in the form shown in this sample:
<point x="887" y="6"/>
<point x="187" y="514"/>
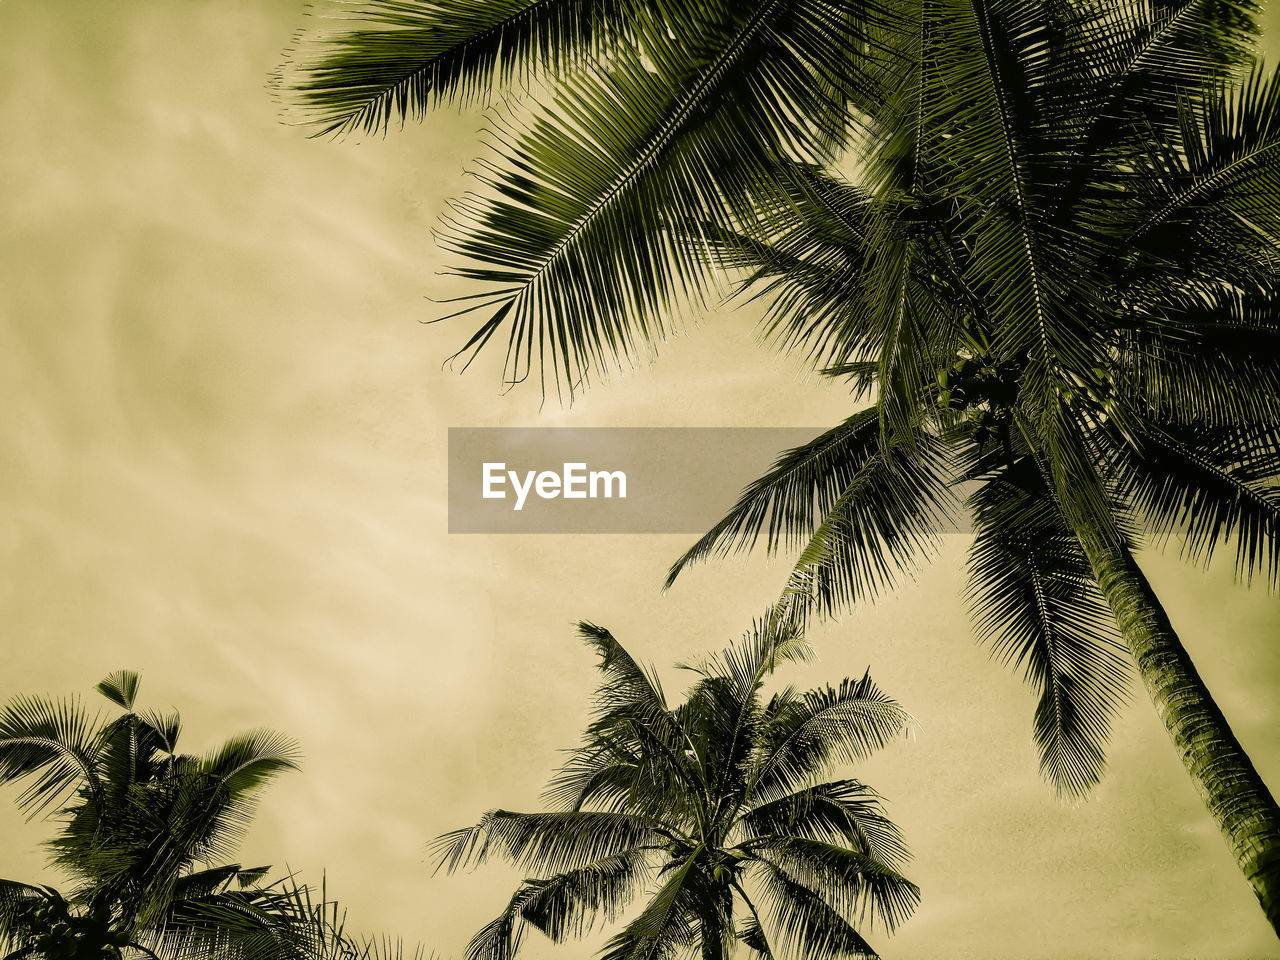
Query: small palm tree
<point x="717" y="805"/>
<point x="145" y="831"/>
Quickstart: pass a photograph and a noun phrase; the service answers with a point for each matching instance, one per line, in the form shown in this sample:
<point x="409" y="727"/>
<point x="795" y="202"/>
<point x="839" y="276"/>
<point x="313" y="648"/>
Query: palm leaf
<point x="1204" y="359"/>
<point x="893" y="498"/>
<point x="855" y="884"/>
<point x="662" y="927"/>
<point x="407" y="56"/>
<point x="553" y="842"/>
<point x="121" y="688"/>
<point x="839" y="811"/>
<point x="1209" y="484"/>
<point x="1232" y="167"/>
<point x="52" y="743"/>
<point x="1142" y="58"/>
<point x="564" y="905"/>
<point x="803" y="924"/>
<point x="605" y="207"/>
<point x="804" y="736"/>
<point x="1035" y="601"/>
<point x="752" y="936"/>
<point x="244" y="763"/>
<point x="889" y="515"/>
<point x="262" y="924"/>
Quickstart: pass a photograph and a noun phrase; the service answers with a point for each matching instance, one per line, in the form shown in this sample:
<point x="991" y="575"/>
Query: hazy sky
<point x="224" y="465"/>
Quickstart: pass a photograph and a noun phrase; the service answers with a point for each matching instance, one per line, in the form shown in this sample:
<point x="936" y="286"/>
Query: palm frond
<point x="499" y="939"/>
<point x="260" y="924"/>
<point x="568" y="904"/>
<point x="1142" y="57"/>
<point x="603" y="212"/>
<point x="788" y="503"/>
<point x="54" y="744"/>
<point x="810" y="265"/>
<point x="805" y="735"/>
<point x="1231" y="175"/>
<point x="845" y="811"/>
<point x="767" y="644"/>
<point x="548" y="842"/>
<point x="1204" y="359"/>
<point x="993" y="157"/>
<point x="887" y="518"/>
<point x="564" y="905"/>
<point x="212" y="880"/>
<point x="403" y="57"/>
<point x="121" y="688"/>
<point x="857" y="885"/>
<point x="1034" y="600"/>
<point x="752" y="936"/>
<point x="804" y="925"/>
<point x="167" y="728"/>
<point x="628" y="684"/>
<point x="870" y="508"/>
<point x="1209" y="484"/>
<point x="245" y="763"/>
<point x="663" y="927"/>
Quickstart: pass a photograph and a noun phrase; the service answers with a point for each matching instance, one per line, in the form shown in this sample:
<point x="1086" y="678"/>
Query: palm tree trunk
<point x="1228" y="784"/>
<point x="717" y="924"/>
<point x="713" y="948"/>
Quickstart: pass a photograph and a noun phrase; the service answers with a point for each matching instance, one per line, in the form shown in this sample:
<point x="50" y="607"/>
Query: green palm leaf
<point x="889" y="515"/>
<point x="663" y="927"/>
<point x="1034" y="600"/>
<point x="842" y="810"/>
<point x="896" y="498"/>
<point x="261" y="924"/>
<point x="1230" y="167"/>
<point x="1204" y="360"/>
<point x="53" y="744"/>
<point x="805" y="924"/>
<point x="564" y="905"/>
<point x="606" y="206"/>
<point x="1209" y="484"/>
<point x="804" y="735"/>
<point x="409" y="55"/>
<point x="856" y="884"/>
<point x="554" y="842"/>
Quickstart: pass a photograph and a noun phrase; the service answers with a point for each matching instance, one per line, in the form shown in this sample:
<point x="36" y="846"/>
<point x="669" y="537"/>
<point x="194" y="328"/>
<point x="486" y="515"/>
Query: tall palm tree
<point x="717" y="806"/>
<point x="1143" y="396"/>
<point x="144" y="833"/>
<point x="1053" y="258"/>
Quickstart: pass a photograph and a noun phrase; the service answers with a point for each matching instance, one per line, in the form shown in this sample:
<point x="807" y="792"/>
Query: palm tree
<point x="144" y="831"/>
<point x="1063" y="216"/>
<point x="717" y="806"/>
<point x="1140" y="397"/>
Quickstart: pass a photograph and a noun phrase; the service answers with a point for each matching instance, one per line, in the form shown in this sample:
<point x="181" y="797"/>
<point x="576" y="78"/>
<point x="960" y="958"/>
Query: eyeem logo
<point x="573" y="482"/>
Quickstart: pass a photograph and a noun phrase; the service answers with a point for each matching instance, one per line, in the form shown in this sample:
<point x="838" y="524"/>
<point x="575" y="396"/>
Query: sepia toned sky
<point x="223" y="465"/>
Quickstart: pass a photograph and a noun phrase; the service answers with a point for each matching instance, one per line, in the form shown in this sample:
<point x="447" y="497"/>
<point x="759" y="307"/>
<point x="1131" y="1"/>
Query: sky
<point x="224" y="465"/>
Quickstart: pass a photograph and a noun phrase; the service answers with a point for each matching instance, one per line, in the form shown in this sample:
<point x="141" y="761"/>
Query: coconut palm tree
<point x="717" y="807"/>
<point x="144" y="835"/>
<point x="1057" y="237"/>
<point x="1141" y="396"/>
